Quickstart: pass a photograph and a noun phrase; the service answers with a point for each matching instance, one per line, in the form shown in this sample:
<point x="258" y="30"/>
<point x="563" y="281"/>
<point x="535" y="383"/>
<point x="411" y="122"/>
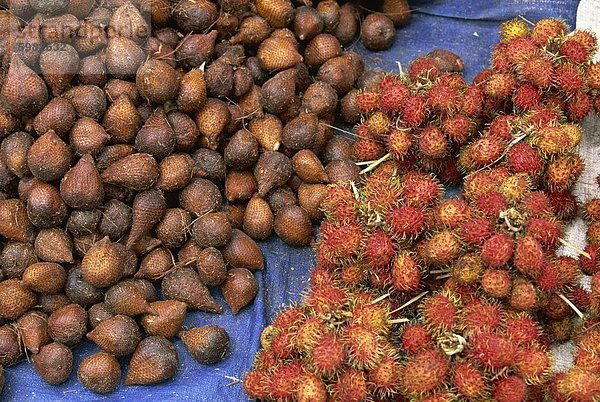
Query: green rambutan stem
<point x="570" y="303"/>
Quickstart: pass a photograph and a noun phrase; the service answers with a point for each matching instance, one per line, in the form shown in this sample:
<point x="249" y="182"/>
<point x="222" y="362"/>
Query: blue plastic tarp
<point x="468" y="28"/>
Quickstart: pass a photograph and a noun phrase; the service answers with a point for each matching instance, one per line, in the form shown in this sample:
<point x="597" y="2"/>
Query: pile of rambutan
<point x="419" y="297"/>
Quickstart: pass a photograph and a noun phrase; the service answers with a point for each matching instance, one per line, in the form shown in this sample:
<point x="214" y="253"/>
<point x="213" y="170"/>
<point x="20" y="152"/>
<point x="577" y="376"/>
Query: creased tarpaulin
<point x="469" y="28"/>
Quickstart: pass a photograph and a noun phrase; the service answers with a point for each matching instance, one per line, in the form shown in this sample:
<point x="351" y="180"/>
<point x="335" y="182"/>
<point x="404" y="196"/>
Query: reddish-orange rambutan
<point x="545" y="230"/>
<point x="328" y="354"/>
<point x="537" y="70"/>
<point x="367" y="101"/>
<point x="311" y="388"/>
<point x="289" y="318"/>
<point x="472" y="101"/>
<point x="353" y="274"/>
<point x="399" y="143"/>
<point x="366" y="149"/>
<point x="283" y="380"/>
<point x="591" y="209"/>
<point x="406" y="221"/>
<point x="548" y="279"/>
<point x="450" y="213"/>
<point x="372" y="316"/>
<point x="502" y="127"/>
<point x="533" y="364"/>
<point x="308" y="333"/>
<point x="256" y="384"/>
<point x="592" y="75"/>
<point x="562" y="172"/>
<point x="496" y="282"/>
<point x="265" y="360"/>
<point x="509" y="389"/>
<point x="439" y="312"/>
<point x="536" y="204"/>
<point x="406" y="273"/>
<point x="500" y="61"/>
<point x="587" y="360"/>
<point x="591" y="265"/>
<point x="378" y="124"/>
<point x="527" y="96"/>
<point x="351" y="386"/>
<point x="432" y="142"/>
<point x="485" y="151"/>
<point x="393" y="97"/>
<point x="491" y="204"/>
<point x="415" y="338"/>
<point x="321" y="275"/>
<point x="500" y="86"/>
<point x="564" y="204"/>
<point x="469" y="381"/>
<point x="424" y="372"/>
<point x="482" y="76"/>
<point x="458" y="128"/>
<point x="441" y="248"/>
<point x="523" y="295"/>
<point x="467" y="269"/>
<point x="521" y="329"/>
<point x="574" y="51"/>
<point x="449" y="172"/>
<point x="497" y="250"/>
<point x="579" y="105"/>
<point x="341" y="243"/>
<point x="414" y="110"/>
<point x="423" y="69"/>
<point x="523" y="158"/>
<point x="326" y="299"/>
<point x="379" y="249"/>
<point x="568" y="270"/>
<point x="520" y="49"/>
<point x="385" y="377"/>
<point x="480" y="315"/>
<point x="282" y="344"/>
<point x="548" y="30"/>
<point x="492" y="350"/>
<point x="364" y="346"/>
<point x="443" y="99"/>
<point x="592" y="233"/>
<point x="579" y="385"/>
<point x="568" y="79"/>
<point x="543" y="116"/>
<point x="587" y="38"/>
<point x="529" y="256"/>
<point x="420" y="189"/>
<point x="475" y="230"/>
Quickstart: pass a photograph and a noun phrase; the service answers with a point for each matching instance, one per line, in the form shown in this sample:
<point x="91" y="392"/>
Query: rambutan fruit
<point x="457" y="128"/>
<point x="366" y="149"/>
<point x="587" y="360"/>
<point x="592" y="75"/>
<point x="592" y="233"/>
<point x="414" y="110"/>
<point x="536" y="204"/>
<point x="521" y="329"/>
<point x="326" y="299"/>
<point x="590" y="266"/>
<point x="423" y="372"/>
<point x="374" y="317"/>
<point x="399" y="143"/>
<point x="441" y="249"/>
<point x="388" y="80"/>
<point x="282" y="344"/>
<point x="393" y="97"/>
<point x="472" y="102"/>
<point x="363" y="346"/>
<point x="353" y="274"/>
<point x="520" y="49"/>
<point x="367" y="101"/>
<point x="589" y="338"/>
<point x="406" y="273"/>
<point x="485" y="151"/>
<point x="548" y="30"/>
<point x="564" y="204"/>
<point x="289" y="318"/>
<point x="449" y="172"/>
<point x="328" y="354"/>
<point x="538" y="70"/>
<point x="496" y="282"/>
<point x="480" y="315"/>
<point x="342" y="243"/>
<point x="469" y="381"/>
<point x="482" y="76"/>
<point x="467" y="269"/>
<point x="513" y="28"/>
<point x="443" y="99"/>
<point x="491" y="204"/>
<point x="497" y="250"/>
<point x="415" y="338"/>
<point x="478" y="183"/>
<point x="585" y="37"/>
<point x="551" y="140"/>
<point x="527" y="96"/>
<point x="475" y="230"/>
<point x="568" y="270"/>
<point x="568" y="78"/>
<point x="523" y="158"/>
<point x="560" y="331"/>
<point x="492" y="350"/>
<point x="511" y="388"/>
<point x="379" y="124"/>
<point x="591" y="209"/>
<point x="439" y="312"/>
<point x="309" y="333"/>
<point x="529" y="256"/>
<point x="379" y="249"/>
<point x="406" y="221"/>
<point x="432" y="142"/>
<point x="515" y="187"/>
<point x="542" y="116"/>
<point x="500" y="61"/>
<point x="283" y="380"/>
<point x="339" y="203"/>
<point x="420" y="189"/>
<point x="578" y="106"/>
<point x="555" y="307"/>
<point x="523" y="295"/>
<point x="385" y="377"/>
<point x="574" y="51"/>
<point x="453" y="80"/>
<point x="321" y="275"/>
<point x="256" y="384"/>
<point x="311" y="388"/>
<point x="502" y="127"/>
<point x="549" y="277"/>
<point x="581" y="298"/>
<point x="450" y="213"/>
<point x="265" y="360"/>
<point x="579" y="385"/>
<point x="499" y="86"/>
<point x="423" y="69"/>
<point x="351" y="386"/>
<point x="533" y="364"/>
<point x="562" y="172"/>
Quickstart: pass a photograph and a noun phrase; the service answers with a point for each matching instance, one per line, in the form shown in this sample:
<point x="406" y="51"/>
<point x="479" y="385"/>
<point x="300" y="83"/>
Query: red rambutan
<point x="328" y="354"/>
<point x="527" y="97"/>
<point x="282" y="344"/>
<point x="443" y="99"/>
<point x="579" y="385"/>
<point x="523" y="158"/>
<point x="563" y="171"/>
<point x="406" y="273"/>
<point x="564" y="204"/>
<point x="353" y="274"/>
<point x="469" y="381"/>
<point x="574" y="51"/>
<point x="500" y="86"/>
<point x="341" y="243"/>
<point x="385" y="377"/>
<point x="432" y="142"/>
<point x="423" y="69"/>
<point x="592" y="75"/>
<point x="374" y="317"/>
<point x="439" y="312"/>
<point x="363" y="346"/>
<point x="591" y="265"/>
<point x="519" y="50"/>
<point x="509" y="389"/>
<point x="393" y="97"/>
<point x="485" y="151"/>
<point x="472" y="102"/>
<point x="533" y="364"/>
<point x="326" y="299"/>
<point x="538" y="70"/>
<point x="592" y="233"/>
<point x="476" y="230"/>
<point x="467" y="269"/>
<point x="521" y="329"/>
<point x="548" y="30"/>
<point x="591" y="209"/>
<point x="351" y="386"/>
<point x="420" y="189"/>
<point x="529" y="256"/>
<point x="379" y="249"/>
<point x="441" y="249"/>
<point x="496" y="282"/>
<point x="546" y="231"/>
<point x="283" y="380"/>
<point x="523" y="295"/>
<point x="457" y="128"/>
<point x="568" y="79"/>
<point x="497" y="250"/>
<point x="548" y="279"/>
<point x="414" y="110"/>
<point x="399" y="143"/>
<point x="479" y="315"/>
<point x="321" y="275"/>
<point x="256" y="384"/>
<point x="450" y="213"/>
<point x="415" y="338"/>
<point x="587" y="360"/>
<point x="367" y="101"/>
<point x="585" y="37"/>
<point x="578" y="106"/>
<point x="491" y="204"/>
<point x="492" y="350"/>
<point x="406" y="221"/>
<point x="311" y="388"/>
<point x="536" y="203"/>
<point x="424" y="372"/>
<point x="308" y="333"/>
<point x="366" y="149"/>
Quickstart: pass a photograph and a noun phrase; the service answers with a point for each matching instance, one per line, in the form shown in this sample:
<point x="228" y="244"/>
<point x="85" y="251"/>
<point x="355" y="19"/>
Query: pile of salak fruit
<point x="420" y="297"/>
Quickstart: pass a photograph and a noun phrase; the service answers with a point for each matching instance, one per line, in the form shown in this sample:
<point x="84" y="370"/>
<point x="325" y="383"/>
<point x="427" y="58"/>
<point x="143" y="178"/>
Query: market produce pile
<point x="419" y="297"/>
<point x="146" y="146"/>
